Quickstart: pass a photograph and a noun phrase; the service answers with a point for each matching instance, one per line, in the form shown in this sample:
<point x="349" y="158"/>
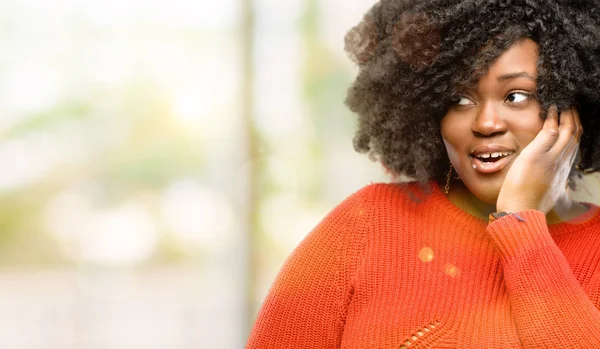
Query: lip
<point x="490" y="148"/>
<point x="491" y="167"/>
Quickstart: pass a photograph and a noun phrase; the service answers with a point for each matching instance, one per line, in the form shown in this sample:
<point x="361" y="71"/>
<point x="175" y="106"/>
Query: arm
<point x="305" y="307"/>
<point x="551" y="309"/>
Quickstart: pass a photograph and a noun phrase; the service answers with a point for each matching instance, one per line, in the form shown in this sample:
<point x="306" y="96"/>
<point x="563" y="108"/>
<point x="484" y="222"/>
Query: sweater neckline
<point x="591" y="216"/>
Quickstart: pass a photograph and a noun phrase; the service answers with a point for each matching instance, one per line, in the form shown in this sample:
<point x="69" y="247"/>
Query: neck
<point x="565" y="208"/>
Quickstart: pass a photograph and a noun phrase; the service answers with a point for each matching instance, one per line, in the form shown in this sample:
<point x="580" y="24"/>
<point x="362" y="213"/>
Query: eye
<point x="464" y="101"/>
<point x="517" y="97"/>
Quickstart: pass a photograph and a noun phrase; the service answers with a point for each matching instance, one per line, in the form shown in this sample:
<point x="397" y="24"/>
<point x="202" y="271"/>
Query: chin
<point x="487" y="194"/>
<point x="489" y="198"/>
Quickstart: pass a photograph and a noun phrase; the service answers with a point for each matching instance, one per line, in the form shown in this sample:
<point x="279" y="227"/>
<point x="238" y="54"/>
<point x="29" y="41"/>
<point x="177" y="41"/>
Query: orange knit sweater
<point x="385" y="271"/>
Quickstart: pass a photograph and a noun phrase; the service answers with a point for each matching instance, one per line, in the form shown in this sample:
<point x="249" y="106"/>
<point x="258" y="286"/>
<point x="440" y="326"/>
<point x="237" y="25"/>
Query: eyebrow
<point x="515" y="75"/>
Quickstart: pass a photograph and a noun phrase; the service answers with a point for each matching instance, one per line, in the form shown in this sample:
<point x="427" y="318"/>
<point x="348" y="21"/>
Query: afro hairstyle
<point x="416" y="56"/>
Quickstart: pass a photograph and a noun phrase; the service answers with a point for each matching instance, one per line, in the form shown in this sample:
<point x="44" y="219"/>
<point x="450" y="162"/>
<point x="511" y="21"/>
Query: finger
<point x="549" y="133"/>
<point x="578" y="128"/>
<point x="573" y="152"/>
<point x="579" y="124"/>
<point x="575" y="143"/>
<point x="567" y="132"/>
<point x="551" y="122"/>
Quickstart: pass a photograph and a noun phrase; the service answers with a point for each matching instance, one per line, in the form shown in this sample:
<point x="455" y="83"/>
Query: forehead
<point x="522" y="56"/>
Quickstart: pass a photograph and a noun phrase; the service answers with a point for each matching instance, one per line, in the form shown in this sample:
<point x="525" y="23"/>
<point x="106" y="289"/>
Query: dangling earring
<point x="448" y="179"/>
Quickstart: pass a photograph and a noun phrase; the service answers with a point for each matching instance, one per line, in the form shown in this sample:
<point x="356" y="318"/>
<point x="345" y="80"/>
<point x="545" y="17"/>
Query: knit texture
<point x="386" y="270"/>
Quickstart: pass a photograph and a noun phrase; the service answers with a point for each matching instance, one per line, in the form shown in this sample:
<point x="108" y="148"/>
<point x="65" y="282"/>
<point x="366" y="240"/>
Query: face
<point x="499" y="111"/>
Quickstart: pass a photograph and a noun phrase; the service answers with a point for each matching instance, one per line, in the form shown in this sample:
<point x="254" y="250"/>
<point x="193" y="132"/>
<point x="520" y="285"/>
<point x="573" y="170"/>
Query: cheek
<point x="527" y="132"/>
<point x="453" y="135"/>
<point x="455" y="153"/>
<point x="451" y="148"/>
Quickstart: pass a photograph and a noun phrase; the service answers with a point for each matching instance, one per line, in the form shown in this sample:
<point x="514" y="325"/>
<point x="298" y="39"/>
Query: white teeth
<point x="493" y="155"/>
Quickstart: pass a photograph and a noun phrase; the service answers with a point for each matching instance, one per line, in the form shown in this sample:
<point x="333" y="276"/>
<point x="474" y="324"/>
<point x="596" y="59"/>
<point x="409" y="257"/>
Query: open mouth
<point x="487" y="159"/>
<point x="489" y="163"/>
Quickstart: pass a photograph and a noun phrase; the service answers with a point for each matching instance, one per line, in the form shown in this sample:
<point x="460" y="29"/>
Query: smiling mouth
<point x="490" y="158"/>
<point x="490" y="165"/>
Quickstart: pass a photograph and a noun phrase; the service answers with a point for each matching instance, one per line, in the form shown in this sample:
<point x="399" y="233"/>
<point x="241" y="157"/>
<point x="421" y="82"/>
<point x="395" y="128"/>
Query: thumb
<point x="548" y="135"/>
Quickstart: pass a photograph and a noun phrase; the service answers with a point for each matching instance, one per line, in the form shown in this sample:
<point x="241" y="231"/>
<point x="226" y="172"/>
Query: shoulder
<point x="410" y="191"/>
<point x="389" y="196"/>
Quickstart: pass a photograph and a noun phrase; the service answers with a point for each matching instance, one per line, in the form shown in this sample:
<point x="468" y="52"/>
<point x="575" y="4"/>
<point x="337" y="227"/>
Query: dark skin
<point x="501" y="110"/>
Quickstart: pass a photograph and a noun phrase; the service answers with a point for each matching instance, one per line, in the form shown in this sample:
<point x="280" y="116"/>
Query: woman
<point x="483" y="104"/>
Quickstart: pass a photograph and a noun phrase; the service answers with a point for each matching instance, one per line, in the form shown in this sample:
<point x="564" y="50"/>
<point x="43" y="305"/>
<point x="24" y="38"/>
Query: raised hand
<point x="538" y="175"/>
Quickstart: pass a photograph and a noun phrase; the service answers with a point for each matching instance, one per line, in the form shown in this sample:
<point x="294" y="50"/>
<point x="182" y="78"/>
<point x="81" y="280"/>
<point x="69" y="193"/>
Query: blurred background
<point x="161" y="159"/>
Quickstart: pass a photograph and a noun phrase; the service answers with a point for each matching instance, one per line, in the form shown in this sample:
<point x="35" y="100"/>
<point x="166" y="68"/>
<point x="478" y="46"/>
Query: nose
<point x="488" y="121"/>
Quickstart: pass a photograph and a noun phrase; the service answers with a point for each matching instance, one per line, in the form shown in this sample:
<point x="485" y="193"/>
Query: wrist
<point x="497" y="215"/>
<point x="513" y="209"/>
<point x="516" y="205"/>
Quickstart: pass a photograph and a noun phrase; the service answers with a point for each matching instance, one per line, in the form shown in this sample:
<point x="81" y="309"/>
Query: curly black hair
<point x="416" y="56"/>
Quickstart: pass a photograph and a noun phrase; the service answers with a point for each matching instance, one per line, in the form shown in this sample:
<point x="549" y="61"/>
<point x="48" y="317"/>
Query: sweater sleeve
<point x="551" y="309"/>
<point x="305" y="307"/>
